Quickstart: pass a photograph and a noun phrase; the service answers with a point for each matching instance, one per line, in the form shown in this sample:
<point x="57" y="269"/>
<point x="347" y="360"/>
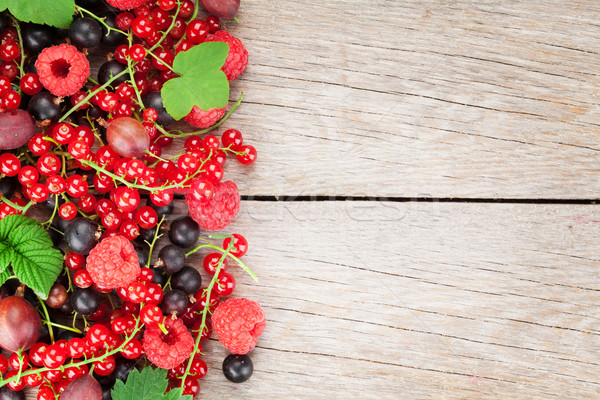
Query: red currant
<point x="123" y="20"/>
<point x="38" y="192"/>
<point x="127" y="199"/>
<point x="211" y="261"/>
<point x="77" y="186"/>
<point x="48" y="164"/>
<point x="105" y="366"/>
<point x="214" y="23"/>
<point x="74" y="261"/>
<point x="28" y="175"/>
<point x="38" y="145"/>
<point x="54" y="356"/>
<point x="67" y="211"/>
<point x="132" y="350"/>
<point x="30" y="84"/>
<point x="82" y="279"/>
<point x="232" y="138"/>
<point x="9" y="164"/>
<point x="196" y="31"/>
<point x="240" y="245"/>
<point x="151" y="314"/>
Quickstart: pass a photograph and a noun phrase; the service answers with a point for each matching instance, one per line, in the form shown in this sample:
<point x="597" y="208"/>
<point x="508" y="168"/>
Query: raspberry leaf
<point x="201" y="82"/>
<point x="26" y="246"/>
<point x="149" y="384"/>
<point x="57" y="13"/>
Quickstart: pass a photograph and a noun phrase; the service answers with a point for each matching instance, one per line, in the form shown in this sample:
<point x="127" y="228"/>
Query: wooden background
<point x="484" y="111"/>
<point x="422" y="214"/>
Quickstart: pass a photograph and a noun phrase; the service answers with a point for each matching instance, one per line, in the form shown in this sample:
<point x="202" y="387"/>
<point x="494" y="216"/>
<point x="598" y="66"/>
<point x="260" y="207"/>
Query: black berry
<point x="174" y="301"/>
<point x="82" y="235"/>
<point x="85" y="301"/>
<point x="188" y="280"/>
<point x="184" y="232"/>
<point x="85" y="32"/>
<point x="238" y="368"/>
<point x="154" y="100"/>
<point x="44" y="106"/>
<point x="110" y="69"/>
<point x="171" y="258"/>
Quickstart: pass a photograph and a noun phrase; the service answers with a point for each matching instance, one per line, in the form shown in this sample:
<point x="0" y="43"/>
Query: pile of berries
<point x="84" y="156"/>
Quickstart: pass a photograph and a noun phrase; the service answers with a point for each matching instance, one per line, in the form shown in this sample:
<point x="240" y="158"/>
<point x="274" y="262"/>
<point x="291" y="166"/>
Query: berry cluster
<point x="88" y="155"/>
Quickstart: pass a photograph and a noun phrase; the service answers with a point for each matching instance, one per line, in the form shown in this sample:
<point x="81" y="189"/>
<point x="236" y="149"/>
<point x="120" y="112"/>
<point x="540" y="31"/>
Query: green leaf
<point x="28" y="247"/>
<point x="149" y="384"/>
<point x="5" y="275"/>
<point x="57" y="13"/>
<point x="201" y="82"/>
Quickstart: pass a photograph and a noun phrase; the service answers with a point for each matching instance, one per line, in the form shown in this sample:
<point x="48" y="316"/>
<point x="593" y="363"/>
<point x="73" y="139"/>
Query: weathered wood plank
<point x="451" y="301"/>
<point x="420" y="98"/>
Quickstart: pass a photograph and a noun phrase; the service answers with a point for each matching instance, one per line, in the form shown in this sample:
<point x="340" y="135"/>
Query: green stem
<point x="22" y="61"/>
<point x="157" y="235"/>
<point x="53" y="212"/>
<point x="165" y="33"/>
<point x="161" y="61"/>
<point x="48" y="323"/>
<point x="215" y="126"/>
<point x="90" y="95"/>
<point x="67" y="328"/>
<point x="212" y="246"/>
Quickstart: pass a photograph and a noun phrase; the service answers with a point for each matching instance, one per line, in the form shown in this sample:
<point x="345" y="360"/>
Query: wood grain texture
<point x="419" y="301"/>
<point x="420" y="98"/>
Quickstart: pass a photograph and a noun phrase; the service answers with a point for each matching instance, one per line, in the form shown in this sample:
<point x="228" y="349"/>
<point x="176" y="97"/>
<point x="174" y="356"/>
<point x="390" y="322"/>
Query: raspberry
<point x="113" y="263"/>
<point x="62" y="69"/>
<point x="219" y="211"/>
<point x="204" y="119"/>
<point x="170" y="350"/>
<point x="237" y="59"/>
<point x="238" y="323"/>
<point x="126" y="4"/>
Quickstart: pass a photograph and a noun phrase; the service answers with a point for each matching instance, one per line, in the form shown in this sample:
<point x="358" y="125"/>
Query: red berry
<point x="238" y="323"/>
<point x="48" y="164"/>
<point x="132" y="350"/>
<point x="67" y="211"/>
<point x="105" y="366"/>
<point x="167" y="351"/>
<point x="211" y="261"/>
<point x="150" y="114"/>
<point x="129" y="229"/>
<point x="214" y="23"/>
<point x="147" y="217"/>
<point x="9" y="164"/>
<point x="76" y="186"/>
<point x="54" y="356"/>
<point x="38" y="192"/>
<point x="123" y="20"/>
<point x="38" y="145"/>
<point x="196" y="31"/>
<point x="74" y="261"/>
<point x="154" y="293"/>
<point x="198" y="369"/>
<point x="225" y="284"/>
<point x="240" y="245"/>
<point x="56" y="184"/>
<point x="137" y="52"/>
<point x="142" y="27"/>
<point x="62" y="69"/>
<point x="18" y="363"/>
<point x="212" y="171"/>
<point x="127" y="199"/>
<point x="82" y="279"/>
<point x="28" y="175"/>
<point x="248" y="155"/>
<point x="113" y="263"/>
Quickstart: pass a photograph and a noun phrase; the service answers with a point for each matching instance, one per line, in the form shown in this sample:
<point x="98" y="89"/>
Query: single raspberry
<point x="168" y="350"/>
<point x="113" y="263"/>
<point x="126" y="4"/>
<point x="237" y="59"/>
<point x="238" y="323"/>
<point x="219" y="211"/>
<point x="62" y="69"/>
<point x="204" y="119"/>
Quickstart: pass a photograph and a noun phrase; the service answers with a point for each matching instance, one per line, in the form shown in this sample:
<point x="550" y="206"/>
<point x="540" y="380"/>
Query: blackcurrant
<point x="85" y="301"/>
<point x="85" y="32"/>
<point x="160" y="277"/>
<point x="68" y="335"/>
<point x="154" y="100"/>
<point x="184" y="232"/>
<point x="114" y="38"/>
<point x="110" y="69"/>
<point x="37" y="37"/>
<point x="162" y="211"/>
<point x="147" y="235"/>
<point x="44" y="106"/>
<point x="8" y="394"/>
<point x="81" y="235"/>
<point x="238" y="368"/>
<point x="171" y="258"/>
<point x="50" y="202"/>
<point x="142" y="253"/>
<point x="8" y="185"/>
<point x="174" y="301"/>
<point x="188" y="280"/>
<point x="124" y="368"/>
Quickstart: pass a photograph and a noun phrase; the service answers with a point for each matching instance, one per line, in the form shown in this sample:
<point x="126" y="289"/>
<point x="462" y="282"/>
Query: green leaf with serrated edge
<point x="149" y="384"/>
<point x="6" y="255"/>
<point x="201" y="82"/>
<point x="57" y="13"/>
<point x="35" y="263"/>
<point x="11" y="222"/>
<point x="5" y="275"/>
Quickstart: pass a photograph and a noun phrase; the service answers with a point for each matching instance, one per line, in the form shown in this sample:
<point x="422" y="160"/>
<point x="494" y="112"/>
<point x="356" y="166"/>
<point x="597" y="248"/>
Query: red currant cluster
<point x="94" y="156"/>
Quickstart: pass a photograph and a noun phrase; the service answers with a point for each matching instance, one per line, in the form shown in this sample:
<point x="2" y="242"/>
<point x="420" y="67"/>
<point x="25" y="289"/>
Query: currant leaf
<point x="26" y="246"/>
<point x="201" y="82"/>
<point x="149" y="384"/>
<point x="58" y="13"/>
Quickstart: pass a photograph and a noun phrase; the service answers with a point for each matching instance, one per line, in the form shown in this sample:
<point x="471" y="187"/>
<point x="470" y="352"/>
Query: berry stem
<point x="48" y="323"/>
<point x="165" y="33"/>
<point x="53" y="212"/>
<point x="22" y="61"/>
<point x="82" y="10"/>
<point x="157" y="236"/>
<point x="215" y="126"/>
<point x="92" y="94"/>
<point x="68" y="328"/>
<point x="212" y="246"/>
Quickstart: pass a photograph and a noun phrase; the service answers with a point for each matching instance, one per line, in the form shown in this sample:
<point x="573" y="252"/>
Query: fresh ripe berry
<point x="150" y="114"/>
<point x="137" y="52"/>
<point x="33" y="380"/>
<point x="204" y="119"/>
<point x="212" y="171"/>
<point x="151" y="314"/>
<point x="10" y="164"/>
<point x="108" y="102"/>
<point x="154" y="292"/>
<point x="85" y="301"/>
<point x="240" y="245"/>
<point x="48" y="164"/>
<point x="214" y="23"/>
<point x="171" y="258"/>
<point x="191" y="386"/>
<point x="76" y="347"/>
<point x="225" y="284"/>
<point x="238" y="323"/>
<point x="74" y="261"/>
<point x="30" y="84"/>
<point x="174" y="302"/>
<point x="211" y="261"/>
<point x="63" y="69"/>
<point x="238" y="368"/>
<point x="248" y="155"/>
<point x="81" y="235"/>
<point x="35" y="355"/>
<point x="38" y="145"/>
<point x="56" y="184"/>
<point x="28" y="175"/>
<point x="9" y="50"/>
<point x="142" y="27"/>
<point x="161" y="198"/>
<point x="146" y="217"/>
<point x="127" y="137"/>
<point x="220" y="211"/>
<point x="54" y="356"/>
<point x="67" y="211"/>
<point x="77" y="186"/>
<point x="146" y="274"/>
<point x="232" y="138"/>
<point x="184" y="232"/>
<point x="196" y="31"/>
<point x="19" y="363"/>
<point x="85" y="32"/>
<point x="113" y="263"/>
<point x="127" y="199"/>
<point x="77" y="100"/>
<point x="237" y="57"/>
<point x="82" y="279"/>
<point x="188" y="280"/>
<point x="187" y="9"/>
<point x="15" y="386"/>
<point x="79" y="150"/>
<point x="11" y="100"/>
<point x="168" y="351"/>
<point x="105" y="366"/>
<point x="132" y="350"/>
<point x="87" y="203"/>
<point x="129" y="229"/>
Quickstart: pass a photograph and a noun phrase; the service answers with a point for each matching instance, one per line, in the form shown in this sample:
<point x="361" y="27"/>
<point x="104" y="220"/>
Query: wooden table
<point x="422" y="214"/>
